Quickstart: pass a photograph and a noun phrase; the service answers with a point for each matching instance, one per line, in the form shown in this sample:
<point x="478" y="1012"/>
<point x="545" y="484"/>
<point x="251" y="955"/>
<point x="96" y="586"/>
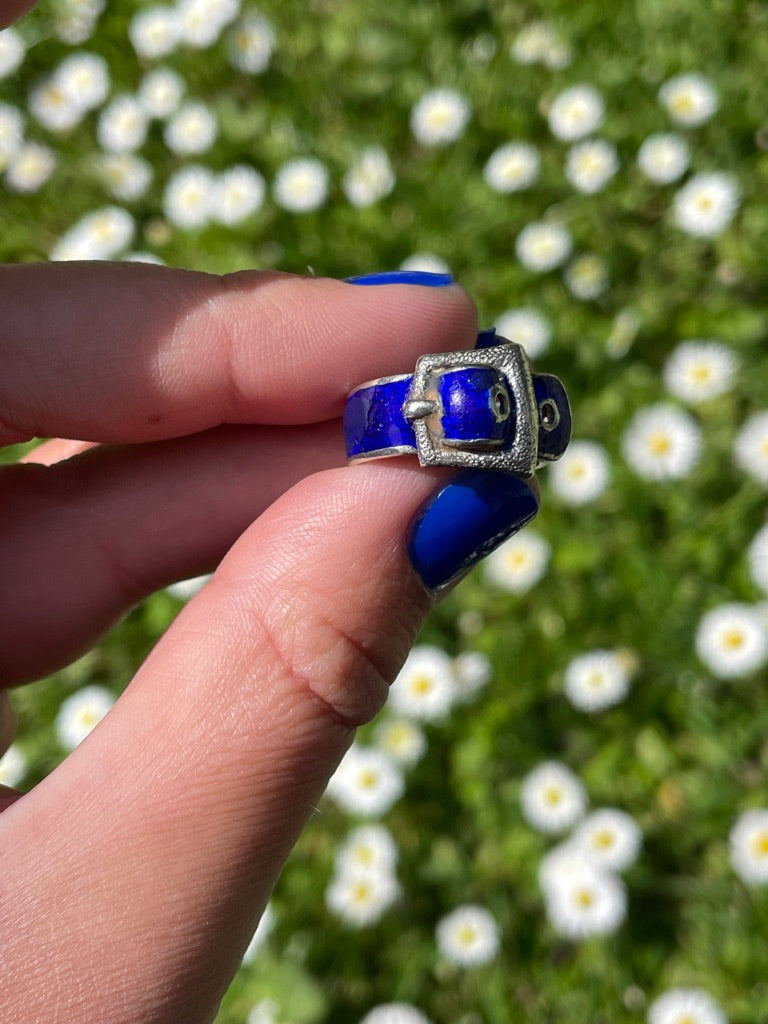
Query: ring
<point x="480" y="409"/>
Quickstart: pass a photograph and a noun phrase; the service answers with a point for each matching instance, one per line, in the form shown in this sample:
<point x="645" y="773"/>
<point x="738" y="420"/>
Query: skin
<point x="132" y="878"/>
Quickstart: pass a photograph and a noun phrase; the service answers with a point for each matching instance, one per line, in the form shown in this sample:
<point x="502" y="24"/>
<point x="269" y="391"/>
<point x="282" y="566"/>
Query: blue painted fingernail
<point x="404" y="277"/>
<point x="465" y="521"/>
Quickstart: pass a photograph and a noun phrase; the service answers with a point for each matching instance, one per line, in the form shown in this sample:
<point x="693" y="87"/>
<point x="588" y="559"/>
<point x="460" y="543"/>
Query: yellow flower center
<point x="583" y="898"/>
<point x="603" y="839"/>
<point x="760" y="844"/>
<point x="659" y="443"/>
<point x="733" y="639"/>
<point x="553" y="795"/>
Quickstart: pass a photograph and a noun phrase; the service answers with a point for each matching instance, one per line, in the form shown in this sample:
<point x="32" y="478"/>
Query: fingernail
<point x="404" y="277"/>
<point x="465" y="521"/>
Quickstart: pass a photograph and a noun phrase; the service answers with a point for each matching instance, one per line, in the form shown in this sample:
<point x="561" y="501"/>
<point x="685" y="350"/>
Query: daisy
<point x="685" y="1006"/>
<point x="582" y="474"/>
<point x="13" y="766"/>
<point x="264" y="1012"/>
<point x="542" y="246"/>
<point x="610" y="839"/>
<point x="425" y="687"/>
<point x="122" y="125"/>
<point x="662" y="443"/>
<point x="706" y="204"/>
<point x="263" y="930"/>
<point x="757" y="555"/>
<point x="597" y="680"/>
<point x="519" y="562"/>
<point x="732" y="641"/>
<point x="689" y="99"/>
<point x="250" y="44"/>
<point x="526" y="327"/>
<point x="698" y="370"/>
<point x="75" y="20"/>
<point x="361" y="899"/>
<point x="538" y="43"/>
<point x="367" y="782"/>
<point x="12" y="51"/>
<point x="160" y="92"/>
<point x="154" y="32"/>
<point x="54" y="110"/>
<point x="552" y="798"/>
<point x="472" y="672"/>
<point x="468" y="936"/>
<point x="395" y="1013"/>
<point x="368" y="848"/>
<point x="188" y="196"/>
<point x="512" y="167"/>
<point x="664" y="157"/>
<point x="80" y="713"/>
<point x="239" y="194"/>
<point x="586" y="902"/>
<point x="750" y="449"/>
<point x="426" y="261"/>
<point x="576" y="112"/>
<point x="301" y="185"/>
<point x="84" y="79"/>
<point x="440" y="117"/>
<point x="748" y="846"/>
<point x="591" y="165"/>
<point x="185" y="589"/>
<point x="402" y="739"/>
<point x="100" y="235"/>
<point x="587" y="276"/>
<point x="191" y="130"/>
<point x="370" y="179"/>
<point x="11" y="133"/>
<point x="201" y="22"/>
<point x="126" y="176"/>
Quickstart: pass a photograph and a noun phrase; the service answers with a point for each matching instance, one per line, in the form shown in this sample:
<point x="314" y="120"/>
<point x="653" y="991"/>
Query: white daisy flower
<point x="664" y="157"/>
<point x="402" y="739"/>
<point x="440" y="117"/>
<point x="188" y="197"/>
<point x="552" y="798"/>
<point x="239" y="193"/>
<point x="12" y="51"/>
<point x="361" y="899"/>
<point x="748" y="846"/>
<point x="586" y="902"/>
<point x="750" y="449"/>
<point x="610" y="839"/>
<point x="426" y="261"/>
<point x="526" y="327"/>
<point x="263" y="930"/>
<point x="576" y="112"/>
<point x="11" y="133"/>
<point x="201" y="22"/>
<point x="519" y="562"/>
<point x="706" y="204"/>
<point x="538" y="43"/>
<point x="561" y="861"/>
<point x="582" y="474"/>
<point x="191" y="130"/>
<point x="689" y="99"/>
<point x="512" y="167"/>
<point x="13" y="766"/>
<point x="301" y="185"/>
<point x="80" y="713"/>
<point x="250" y="44"/>
<point x="160" y="92"/>
<point x="84" y="79"/>
<point x="185" y="589"/>
<point x="757" y="556"/>
<point x="732" y="640"/>
<point x="395" y="1013"/>
<point x="468" y="936"/>
<point x="369" y="179"/>
<point x="75" y="20"/>
<point x="685" y="1006"/>
<point x="590" y="165"/>
<point x="126" y="175"/>
<point x="100" y="235"/>
<point x="698" y="370"/>
<point x="662" y="443"/>
<point x="154" y="31"/>
<point x="370" y="848"/>
<point x="472" y="672"/>
<point x="52" y="108"/>
<point x="367" y="782"/>
<point x="122" y="125"/>
<point x="586" y="276"/>
<point x="266" y="1011"/>
<point x="425" y="688"/>
<point x="597" y="680"/>
<point x="542" y="246"/>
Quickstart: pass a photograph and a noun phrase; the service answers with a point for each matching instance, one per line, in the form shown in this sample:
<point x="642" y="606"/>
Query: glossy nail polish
<point x="420" y="277"/>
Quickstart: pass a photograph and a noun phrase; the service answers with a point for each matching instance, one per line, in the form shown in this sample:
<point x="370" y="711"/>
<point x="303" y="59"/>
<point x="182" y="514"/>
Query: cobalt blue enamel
<point x="467" y="397"/>
<point x="374" y="420"/>
<point x="552" y="442"/>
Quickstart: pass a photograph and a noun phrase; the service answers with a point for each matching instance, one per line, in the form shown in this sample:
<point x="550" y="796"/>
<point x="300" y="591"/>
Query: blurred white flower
<point x="542" y="246"/>
<point x="100" y="235"/>
<point x="699" y="370"/>
<point x="427" y="262"/>
<point x="52" y="108"/>
<point x="201" y="22"/>
<point x="360" y="899"/>
<point x="750" y="449"/>
<point x="468" y="936"/>
<point x="369" y="179"/>
<point x="472" y="672"/>
<point x="662" y="442"/>
<point x="664" y="157"/>
<point x="13" y="766"/>
<point x="264" y="1012"/>
<point x="301" y="185"/>
<point x="263" y="929"/>
<point x="582" y="474"/>
<point x="732" y="640"/>
<point x="757" y="556"/>
<point x="402" y="739"/>
<point x="122" y="125"/>
<point x="239" y="193"/>
<point x="30" y="168"/>
<point x="425" y="688"/>
<point x="586" y="276"/>
<point x="188" y="197"/>
<point x="11" y="133"/>
<point x="526" y="327"/>
<point x="519" y="562"/>
<point x="576" y="112"/>
<point x="440" y="117"/>
<point x="552" y="798"/>
<point x="191" y="130"/>
<point x="395" y="1013"/>
<point x="539" y="43"/>
<point x="154" y="31"/>
<point x="609" y="838"/>
<point x="370" y="848"/>
<point x="748" y="846"/>
<point x="706" y="204"/>
<point x="586" y="902"/>
<point x="597" y="680"/>
<point x="84" y="79"/>
<point x="690" y="99"/>
<point x="75" y="20"/>
<point x="367" y="782"/>
<point x="685" y="1006"/>
<point x="126" y="176"/>
<point x="590" y="165"/>
<point x="12" y="51"/>
<point x="185" y="589"/>
<point x="160" y="92"/>
<point x="80" y="713"/>
<point x="512" y="167"/>
<point x="250" y="44"/>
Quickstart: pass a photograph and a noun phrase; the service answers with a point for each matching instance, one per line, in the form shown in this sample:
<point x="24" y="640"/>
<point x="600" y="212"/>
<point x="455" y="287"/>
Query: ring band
<point x="479" y="409"/>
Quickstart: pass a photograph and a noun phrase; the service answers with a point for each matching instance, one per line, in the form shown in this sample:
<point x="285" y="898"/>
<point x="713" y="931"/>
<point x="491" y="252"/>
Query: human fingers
<point x="10" y="10"/>
<point x="165" y="830"/>
<point x="125" y="352"/>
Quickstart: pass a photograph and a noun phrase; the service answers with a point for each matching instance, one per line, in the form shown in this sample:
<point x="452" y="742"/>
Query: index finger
<point x="130" y="352"/>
